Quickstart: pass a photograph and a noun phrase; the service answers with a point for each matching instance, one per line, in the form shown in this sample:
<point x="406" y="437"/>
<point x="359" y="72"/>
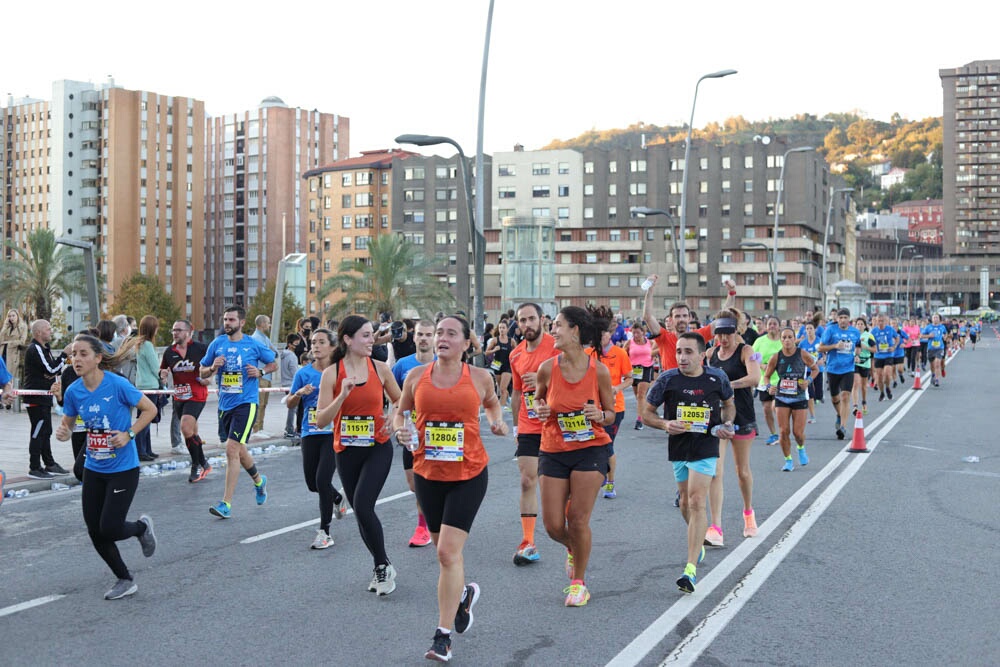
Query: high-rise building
<point x="254" y="193"/>
<point x="119" y="168"/>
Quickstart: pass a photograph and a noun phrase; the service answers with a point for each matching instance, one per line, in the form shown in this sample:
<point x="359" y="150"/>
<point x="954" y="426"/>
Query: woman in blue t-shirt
<point x="111" y="468"/>
<point x="318" y="460"/>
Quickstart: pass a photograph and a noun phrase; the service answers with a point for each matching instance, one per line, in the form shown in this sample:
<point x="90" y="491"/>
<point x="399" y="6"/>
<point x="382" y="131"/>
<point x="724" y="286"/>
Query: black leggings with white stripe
<point x="106" y="499"/>
<point x="363" y="470"/>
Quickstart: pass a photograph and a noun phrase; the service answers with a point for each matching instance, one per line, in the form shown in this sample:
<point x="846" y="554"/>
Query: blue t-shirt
<point x="309" y="375"/>
<point x="903" y="337"/>
<point x="107" y="408"/>
<point x="885" y="341"/>
<point x="5" y="375"/>
<point x="936" y="332"/>
<point x="811" y="348"/>
<point x="841" y="360"/>
<point x="235" y="386"/>
<point x="402" y="368"/>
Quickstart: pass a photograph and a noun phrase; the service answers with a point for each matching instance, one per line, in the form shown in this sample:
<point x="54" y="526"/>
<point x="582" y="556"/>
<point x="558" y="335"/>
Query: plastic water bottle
<point x="21" y="493"/>
<point x="411" y="431"/>
<point x="646" y="284"/>
<point x="59" y="486"/>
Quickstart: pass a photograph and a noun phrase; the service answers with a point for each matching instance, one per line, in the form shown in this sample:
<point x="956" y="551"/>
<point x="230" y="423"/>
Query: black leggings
<point x="106" y="499"/>
<point x="816" y="388"/>
<point x="79" y="442"/>
<point x="318" y="466"/>
<point x="363" y="470"/>
<point x="912" y="354"/>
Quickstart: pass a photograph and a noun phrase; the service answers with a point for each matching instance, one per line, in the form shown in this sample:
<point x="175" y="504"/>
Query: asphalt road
<point x="884" y="558"/>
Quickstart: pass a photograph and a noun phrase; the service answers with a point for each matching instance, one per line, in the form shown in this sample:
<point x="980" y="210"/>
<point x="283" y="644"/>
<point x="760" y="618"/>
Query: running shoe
<point x="195" y="474"/>
<point x="788" y="467"/>
<point x="261" y="490"/>
<point x="463" y="617"/>
<point x="526" y="553"/>
<point x="148" y="539"/>
<point x="570" y="570"/>
<point x="686" y="583"/>
<point x="893" y="386"/>
<point x="854" y="410"/>
<point x="840" y="433"/>
<point x="713" y="537"/>
<point x="440" y="650"/>
<point x="881" y="397"/>
<point x="837" y="424"/>
<point x="204" y="472"/>
<point x="56" y="469"/>
<point x="811" y="420"/>
<point x="888" y="392"/>
<point x="421" y="537"/>
<point x="373" y="584"/>
<point x="385" y="579"/>
<point x="638" y="425"/>
<point x="803" y="458"/>
<point x="935" y="382"/>
<point x="339" y="505"/>
<point x="609" y="490"/>
<point x="40" y="474"/>
<point x="772" y="439"/>
<point x="577" y="594"/>
<point x="122" y="588"/>
<point x="677" y="498"/>
<point x="223" y="510"/>
<point x="864" y="407"/>
<point x="750" y="524"/>
<point x="322" y="540"/>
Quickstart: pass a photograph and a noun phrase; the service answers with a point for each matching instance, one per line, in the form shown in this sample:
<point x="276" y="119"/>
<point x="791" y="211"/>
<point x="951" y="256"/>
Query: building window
<point x="635" y="235"/>
<point x="413" y="173"/>
<point x="541" y="213"/>
<point x="748" y="210"/>
<point x="613" y="167"/>
<point x="637" y="188"/>
<point x="615" y="235"/>
<point x="591" y="258"/>
<point x="506" y="213"/>
<point x="612" y="189"/>
<point x="748" y="185"/>
<point x="591" y="235"/>
<point x="727" y="162"/>
<point x="415" y="217"/>
<point x="637" y="166"/>
<point x="366" y="198"/>
<point x="541" y="191"/>
<point x="612" y="213"/>
<point x="563" y="213"/>
<point x="588" y="167"/>
<point x="564" y="167"/>
<point x="414" y="195"/>
<point x="748" y="161"/>
<point x="507" y="170"/>
<point x="540" y="169"/>
<point x="564" y="281"/>
<point x="363" y="178"/>
<point x="345" y="201"/>
<point x="588" y="213"/>
<point x="361" y="243"/>
<point x="563" y="190"/>
<point x="345" y="221"/>
<point x="615" y="258"/>
<point x="589" y="281"/>
<point x="703" y="187"/>
<point x="346" y="179"/>
<point x="507" y="193"/>
<point x="588" y="189"/>
<point x="614" y="281"/>
<point x="703" y="163"/>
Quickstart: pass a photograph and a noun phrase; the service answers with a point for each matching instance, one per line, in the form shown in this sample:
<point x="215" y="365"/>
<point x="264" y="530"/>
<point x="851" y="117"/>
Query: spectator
<point x="122" y="330"/>
<point x="289" y="365"/>
<point x="147" y="377"/>
<point x="13" y="337"/>
<point x="261" y="334"/>
<point x="106" y="331"/>
<point x="41" y="371"/>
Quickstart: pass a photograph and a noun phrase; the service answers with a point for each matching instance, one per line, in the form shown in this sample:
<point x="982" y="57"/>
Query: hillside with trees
<point x="849" y="142"/>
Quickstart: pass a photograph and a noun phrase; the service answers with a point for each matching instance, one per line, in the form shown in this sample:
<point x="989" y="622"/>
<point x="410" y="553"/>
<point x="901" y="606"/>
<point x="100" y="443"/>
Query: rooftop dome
<point x="272" y="101"/>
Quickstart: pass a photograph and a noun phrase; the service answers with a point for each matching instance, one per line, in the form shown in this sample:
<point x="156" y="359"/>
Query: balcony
<point x="88" y="232"/>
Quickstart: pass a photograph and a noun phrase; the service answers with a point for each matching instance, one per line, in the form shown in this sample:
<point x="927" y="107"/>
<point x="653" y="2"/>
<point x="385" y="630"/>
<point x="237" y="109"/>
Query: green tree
<point x="41" y="273"/>
<point x="141" y="295"/>
<point x="263" y="304"/>
<point x="397" y="279"/>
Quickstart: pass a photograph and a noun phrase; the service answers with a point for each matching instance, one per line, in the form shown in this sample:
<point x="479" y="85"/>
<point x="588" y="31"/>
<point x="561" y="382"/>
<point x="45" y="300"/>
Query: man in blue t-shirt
<point x="235" y="359"/>
<point x="839" y="342"/>
<point x="936" y="335"/>
<point x="886" y="339"/>
<point x="423" y="338"/>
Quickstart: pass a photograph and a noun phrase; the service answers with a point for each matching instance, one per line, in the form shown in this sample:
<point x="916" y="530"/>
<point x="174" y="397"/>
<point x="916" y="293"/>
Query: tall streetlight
<point x="90" y="268"/>
<point x="909" y="267"/>
<point x="644" y="210"/>
<point x="293" y="259"/>
<point x="682" y="278"/>
<point x="770" y="271"/>
<point x="826" y="239"/>
<point x="819" y="269"/>
<point x="777" y="213"/>
<point x="895" y="281"/>
<point x="475" y="229"/>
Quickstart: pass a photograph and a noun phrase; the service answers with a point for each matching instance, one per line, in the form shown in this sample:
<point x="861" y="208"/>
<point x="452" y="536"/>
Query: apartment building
<point x="119" y="168"/>
<point x="926" y="219"/>
<point x="254" y="161"/>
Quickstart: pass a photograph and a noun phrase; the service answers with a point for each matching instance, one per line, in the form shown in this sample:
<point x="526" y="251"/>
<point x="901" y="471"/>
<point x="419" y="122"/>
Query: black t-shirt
<point x="404" y="348"/>
<point x="734" y="368"/>
<point x="380" y="352"/>
<point x="696" y="400"/>
<point x="749" y="336"/>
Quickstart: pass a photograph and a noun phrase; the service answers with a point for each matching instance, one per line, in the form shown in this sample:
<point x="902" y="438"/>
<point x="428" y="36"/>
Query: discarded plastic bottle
<point x="59" y="486"/>
<point x="413" y="439"/>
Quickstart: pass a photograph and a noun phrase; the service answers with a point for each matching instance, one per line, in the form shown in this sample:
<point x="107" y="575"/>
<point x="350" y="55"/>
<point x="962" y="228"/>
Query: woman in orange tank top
<point x="449" y="464"/>
<point x="573" y="459"/>
<point x="350" y="396"/>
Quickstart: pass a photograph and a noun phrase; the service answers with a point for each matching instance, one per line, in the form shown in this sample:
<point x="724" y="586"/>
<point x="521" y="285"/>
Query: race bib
<point x="883" y="347"/>
<point x="311" y="418"/>
<point x="695" y="417"/>
<point x="575" y="426"/>
<point x="529" y="404"/>
<point x="845" y="345"/>
<point x="788" y="386"/>
<point x="496" y="364"/>
<point x="357" y="431"/>
<point x="637" y="372"/>
<point x="444" y="441"/>
<point x="935" y="343"/>
<point x="232" y="382"/>
<point x="182" y="392"/>
<point x="99" y="447"/>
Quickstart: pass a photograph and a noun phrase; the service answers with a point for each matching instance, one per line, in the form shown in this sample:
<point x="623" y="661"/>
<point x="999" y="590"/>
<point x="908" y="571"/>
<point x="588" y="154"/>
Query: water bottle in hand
<point x="413" y="440"/>
<point x="646" y="284"/>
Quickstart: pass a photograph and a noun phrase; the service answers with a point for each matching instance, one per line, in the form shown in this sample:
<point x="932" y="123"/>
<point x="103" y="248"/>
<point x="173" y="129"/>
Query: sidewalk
<point x="15" y="427"/>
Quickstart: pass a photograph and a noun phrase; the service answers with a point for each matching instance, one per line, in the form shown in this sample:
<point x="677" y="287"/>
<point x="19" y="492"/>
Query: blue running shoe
<point x="788" y="467"/>
<point x="222" y="510"/>
<point x="803" y="457"/>
<point x="686" y="583"/>
<point x="773" y="439"/>
<point x="261" y="490"/>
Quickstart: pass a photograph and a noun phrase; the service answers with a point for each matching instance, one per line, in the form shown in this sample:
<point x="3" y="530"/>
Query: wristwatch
<point x="131" y="434"/>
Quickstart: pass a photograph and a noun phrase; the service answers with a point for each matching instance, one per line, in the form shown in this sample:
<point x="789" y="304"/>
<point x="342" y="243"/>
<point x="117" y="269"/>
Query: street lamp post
<point x="895" y="281"/>
<point x="837" y="294"/>
<point x="909" y="267"/>
<point x="644" y="210"/>
<point x="777" y="213"/>
<point x="293" y="259"/>
<point x="819" y="269"/>
<point x="475" y="230"/>
<point x="90" y="268"/>
<point x="770" y="271"/>
<point x="826" y="240"/>
<point x="682" y="277"/>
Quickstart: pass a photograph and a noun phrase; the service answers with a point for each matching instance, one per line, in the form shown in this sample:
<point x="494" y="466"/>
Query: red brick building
<point x="926" y="218"/>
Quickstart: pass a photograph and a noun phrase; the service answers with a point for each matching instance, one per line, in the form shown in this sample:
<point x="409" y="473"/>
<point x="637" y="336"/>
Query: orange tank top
<point x="361" y="420"/>
<point x="447" y="421"/>
<point x="567" y="429"/>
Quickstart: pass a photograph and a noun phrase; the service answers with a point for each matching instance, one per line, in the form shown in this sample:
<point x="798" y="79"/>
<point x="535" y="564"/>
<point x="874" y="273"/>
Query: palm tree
<point x="397" y="278"/>
<point x="41" y="274"/>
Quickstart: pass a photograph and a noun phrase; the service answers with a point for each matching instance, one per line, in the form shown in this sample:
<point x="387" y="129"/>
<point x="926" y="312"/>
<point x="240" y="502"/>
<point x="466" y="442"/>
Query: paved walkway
<point x="14" y="429"/>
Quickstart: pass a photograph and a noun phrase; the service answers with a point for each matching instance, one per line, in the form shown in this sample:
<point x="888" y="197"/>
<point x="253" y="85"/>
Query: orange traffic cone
<point x="916" y="380"/>
<point x="858" y="445"/>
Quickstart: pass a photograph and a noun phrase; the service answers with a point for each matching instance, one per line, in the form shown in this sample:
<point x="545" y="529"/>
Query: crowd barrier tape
<point x="168" y="392"/>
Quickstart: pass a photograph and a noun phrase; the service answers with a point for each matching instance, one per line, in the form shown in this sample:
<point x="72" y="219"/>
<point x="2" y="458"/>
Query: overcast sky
<point x="557" y="67"/>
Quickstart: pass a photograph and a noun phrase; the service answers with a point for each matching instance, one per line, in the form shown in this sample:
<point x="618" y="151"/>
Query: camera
<point x="398" y="330"/>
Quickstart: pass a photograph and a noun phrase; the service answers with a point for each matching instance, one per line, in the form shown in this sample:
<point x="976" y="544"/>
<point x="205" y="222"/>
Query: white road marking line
<point x="649" y="638"/>
<point x="926" y="449"/>
<point x="976" y="473"/>
<point x="311" y="522"/>
<point x="37" y="602"/>
<point x="689" y="649"/>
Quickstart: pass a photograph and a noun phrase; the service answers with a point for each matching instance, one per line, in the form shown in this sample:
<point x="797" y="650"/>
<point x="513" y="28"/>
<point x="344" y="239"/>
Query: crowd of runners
<point x="562" y="380"/>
